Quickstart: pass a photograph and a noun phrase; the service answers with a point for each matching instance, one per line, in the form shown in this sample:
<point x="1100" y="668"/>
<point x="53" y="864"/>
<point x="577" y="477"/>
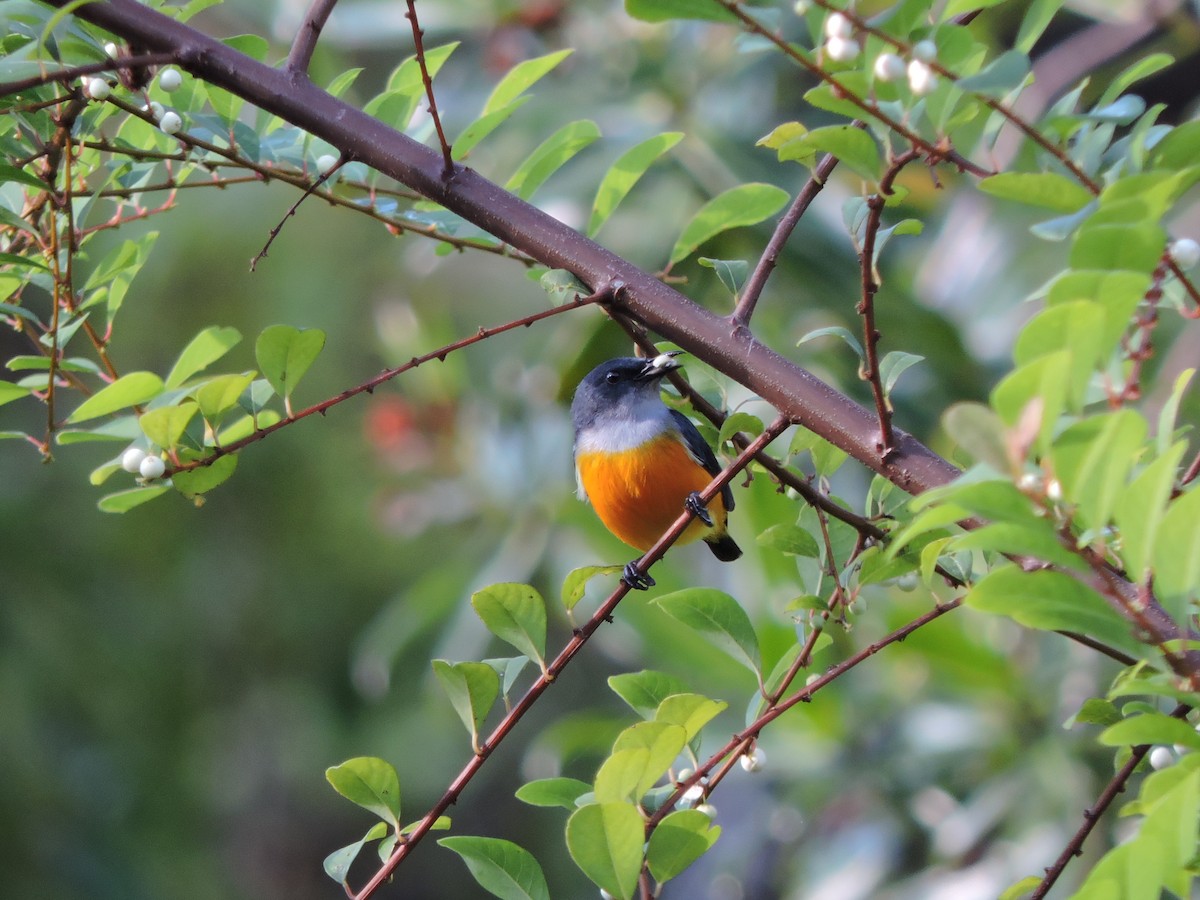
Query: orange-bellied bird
<point x="641" y="463"/>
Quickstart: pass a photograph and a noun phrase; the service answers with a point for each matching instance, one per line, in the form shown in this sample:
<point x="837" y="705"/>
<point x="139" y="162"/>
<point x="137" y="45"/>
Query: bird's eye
<point x="612" y="377"/>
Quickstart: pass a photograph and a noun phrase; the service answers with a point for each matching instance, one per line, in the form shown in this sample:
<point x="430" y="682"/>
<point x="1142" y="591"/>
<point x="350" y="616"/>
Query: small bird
<point x="641" y="463"/>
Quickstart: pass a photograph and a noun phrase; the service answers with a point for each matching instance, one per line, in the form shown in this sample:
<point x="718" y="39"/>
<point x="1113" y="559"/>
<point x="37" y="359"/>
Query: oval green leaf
<point x="746" y="204"/>
<point x="128" y="390"/>
<point x="623" y="174"/>
<point x="605" y="840"/>
<point x="504" y="869"/>
<point x="371" y="783"/>
<point x="515" y="613"/>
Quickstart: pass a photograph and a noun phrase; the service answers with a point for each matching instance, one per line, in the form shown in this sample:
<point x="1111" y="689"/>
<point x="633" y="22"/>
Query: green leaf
<point x="1092" y="458"/>
<point x="123" y="501"/>
<point x="550" y="156"/>
<point x="1052" y="601"/>
<point x="1048" y="190"/>
<point x="515" y="613"/>
<point x="285" y="353"/>
<point x="853" y="147"/>
<point x="1140" y="508"/>
<point x="646" y="690"/>
<point x="743" y="422"/>
<point x="680" y="839"/>
<point x="553" y="792"/>
<point x="719" y="618"/>
<point x="470" y="136"/>
<point x="623" y="174"/>
<point x="835" y="331"/>
<point x="1142" y="68"/>
<point x="371" y="783"/>
<point x="337" y="864"/>
<point x="621" y="777"/>
<point x="1000" y="77"/>
<point x="221" y="394"/>
<point x="690" y="711"/>
<point x="662" y="742"/>
<point x="128" y="390"/>
<point x="502" y="868"/>
<point x="1136" y="248"/>
<point x="110" y="280"/>
<point x="1179" y="149"/>
<point x="790" y="539"/>
<point x="165" y="426"/>
<point x="1037" y="18"/>
<point x="666" y="10"/>
<point x="204" y="350"/>
<point x="522" y="77"/>
<point x="10" y="392"/>
<point x="1150" y="728"/>
<point x="1097" y="711"/>
<point x="1176" y="553"/>
<point x="472" y="688"/>
<point x="575" y="584"/>
<point x="194" y="482"/>
<point x="605" y="840"/>
<point x="893" y="365"/>
<point x="732" y="272"/>
<point x="746" y="204"/>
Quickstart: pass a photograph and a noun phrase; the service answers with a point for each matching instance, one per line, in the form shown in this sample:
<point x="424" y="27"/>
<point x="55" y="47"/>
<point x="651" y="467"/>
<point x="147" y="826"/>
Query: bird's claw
<point x="636" y="578"/>
<point x="697" y="508"/>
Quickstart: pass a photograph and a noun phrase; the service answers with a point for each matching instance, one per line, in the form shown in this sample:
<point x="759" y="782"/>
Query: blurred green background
<point x="174" y="681"/>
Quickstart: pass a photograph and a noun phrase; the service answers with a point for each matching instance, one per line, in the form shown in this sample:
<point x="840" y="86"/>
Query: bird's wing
<point x="701" y="452"/>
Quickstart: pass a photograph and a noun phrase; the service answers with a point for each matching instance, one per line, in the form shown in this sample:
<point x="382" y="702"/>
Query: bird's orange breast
<point x="638" y="493"/>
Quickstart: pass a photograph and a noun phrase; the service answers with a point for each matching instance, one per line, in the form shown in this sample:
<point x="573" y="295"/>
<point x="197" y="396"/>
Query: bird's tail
<point x="723" y="547"/>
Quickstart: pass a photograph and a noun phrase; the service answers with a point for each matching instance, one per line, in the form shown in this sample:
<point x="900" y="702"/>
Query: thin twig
<point x="554" y="669"/>
<point x="419" y="43"/>
<point x="321" y="179"/>
<point x="368" y="386"/>
<point x="305" y="41"/>
<point x="141" y="60"/>
<point x="804" y="695"/>
<point x="866" y="306"/>
<point x="1092" y="814"/>
<point x="740" y="317"/>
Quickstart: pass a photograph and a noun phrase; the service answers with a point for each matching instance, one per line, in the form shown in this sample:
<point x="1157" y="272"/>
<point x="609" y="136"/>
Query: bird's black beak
<point x="661" y="365"/>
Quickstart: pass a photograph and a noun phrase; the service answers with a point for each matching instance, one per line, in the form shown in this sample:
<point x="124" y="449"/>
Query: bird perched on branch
<point x="641" y="463"/>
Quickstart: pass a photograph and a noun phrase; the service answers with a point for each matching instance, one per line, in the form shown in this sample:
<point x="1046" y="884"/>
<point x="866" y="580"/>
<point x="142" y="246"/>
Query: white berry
<point x="170" y="122"/>
<point x="889" y="67"/>
<point x="98" y="88"/>
<point x="925" y="51"/>
<point x="152" y="467"/>
<point x="1185" y="252"/>
<point x="801" y="7"/>
<point x="1161" y="758"/>
<point x="155" y="109"/>
<point x="326" y="162"/>
<point x="842" y="49"/>
<point x="1054" y="490"/>
<point x="694" y="793"/>
<point x="110" y="50"/>
<point x="708" y="809"/>
<point x="131" y="460"/>
<point x="921" y="79"/>
<point x="754" y="760"/>
<point x="837" y="25"/>
<point x="170" y="80"/>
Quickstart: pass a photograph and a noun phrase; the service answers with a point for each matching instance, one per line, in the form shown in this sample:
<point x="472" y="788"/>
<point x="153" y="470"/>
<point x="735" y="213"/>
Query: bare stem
<point x="770" y="255"/>
<point x="419" y="43"/>
<point x="866" y="306"/>
<point x="1092" y="814"/>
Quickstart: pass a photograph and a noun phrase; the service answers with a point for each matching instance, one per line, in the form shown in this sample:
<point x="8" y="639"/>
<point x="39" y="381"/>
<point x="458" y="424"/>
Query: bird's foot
<point x="697" y="508"/>
<point x="636" y="578"/>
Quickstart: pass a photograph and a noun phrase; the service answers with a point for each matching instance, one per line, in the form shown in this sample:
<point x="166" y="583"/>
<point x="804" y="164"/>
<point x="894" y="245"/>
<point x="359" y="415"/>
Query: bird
<point x="641" y="463"/>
